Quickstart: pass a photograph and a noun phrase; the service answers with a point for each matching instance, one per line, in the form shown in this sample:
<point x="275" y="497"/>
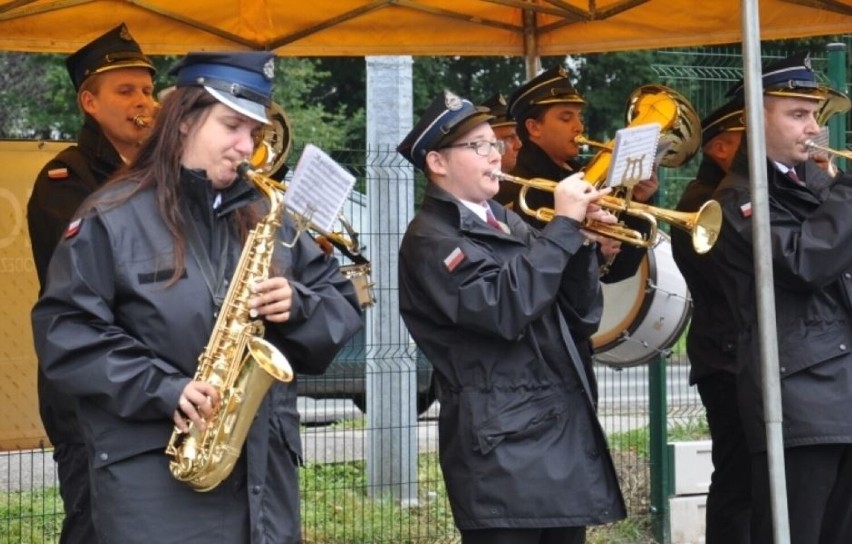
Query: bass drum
<point x="645" y="314"/>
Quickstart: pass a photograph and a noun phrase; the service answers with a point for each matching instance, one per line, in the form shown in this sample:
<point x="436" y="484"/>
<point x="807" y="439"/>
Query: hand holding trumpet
<point x="575" y="198"/>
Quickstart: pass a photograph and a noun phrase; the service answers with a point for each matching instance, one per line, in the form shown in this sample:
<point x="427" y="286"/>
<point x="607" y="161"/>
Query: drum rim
<point x="628" y="325"/>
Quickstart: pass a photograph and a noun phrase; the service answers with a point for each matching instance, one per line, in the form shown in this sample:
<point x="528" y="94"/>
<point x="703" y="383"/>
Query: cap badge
<point x="125" y="34"/>
<point x="502" y="100"/>
<point x="807" y="62"/>
<point x="452" y="101"/>
<point x="562" y="72"/>
<point x="269" y="69"/>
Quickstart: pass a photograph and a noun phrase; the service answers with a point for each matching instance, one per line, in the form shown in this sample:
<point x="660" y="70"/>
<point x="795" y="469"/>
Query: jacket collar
<point x="709" y="171"/>
<point x="816" y="181"/>
<point x="438" y="201"/>
<point x="532" y="158"/>
<point x="101" y="156"/>
<point x="200" y="193"/>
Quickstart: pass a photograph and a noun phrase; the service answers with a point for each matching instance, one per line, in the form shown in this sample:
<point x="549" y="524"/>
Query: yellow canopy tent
<point x="410" y="27"/>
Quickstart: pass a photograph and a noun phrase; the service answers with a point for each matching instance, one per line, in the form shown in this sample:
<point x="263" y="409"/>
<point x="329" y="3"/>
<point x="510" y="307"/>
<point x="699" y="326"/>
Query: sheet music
<point x="319" y="188"/>
<point x="633" y="155"/>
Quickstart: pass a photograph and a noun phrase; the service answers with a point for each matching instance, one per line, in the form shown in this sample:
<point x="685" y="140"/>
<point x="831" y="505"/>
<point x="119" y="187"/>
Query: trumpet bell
<point x="708" y="225"/>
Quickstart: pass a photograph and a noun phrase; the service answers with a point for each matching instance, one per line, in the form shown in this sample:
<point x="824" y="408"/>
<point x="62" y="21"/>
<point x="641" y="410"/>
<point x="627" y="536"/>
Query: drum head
<point x="645" y="314"/>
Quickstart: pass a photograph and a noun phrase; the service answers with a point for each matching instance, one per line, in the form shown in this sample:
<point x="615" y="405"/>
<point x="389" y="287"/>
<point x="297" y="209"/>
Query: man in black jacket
<point x="549" y="114"/>
<point x="114" y="85"/>
<point x="810" y="233"/>
<point x="711" y="339"/>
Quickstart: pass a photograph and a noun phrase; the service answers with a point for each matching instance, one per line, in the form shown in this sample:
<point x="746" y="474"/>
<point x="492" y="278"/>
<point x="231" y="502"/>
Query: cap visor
<point x="464" y="127"/>
<point x="244" y="106"/>
<point x="497" y="124"/>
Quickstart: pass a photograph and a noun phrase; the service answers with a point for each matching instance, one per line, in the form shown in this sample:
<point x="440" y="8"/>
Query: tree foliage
<point x="37" y="99"/>
<point x="325" y="98"/>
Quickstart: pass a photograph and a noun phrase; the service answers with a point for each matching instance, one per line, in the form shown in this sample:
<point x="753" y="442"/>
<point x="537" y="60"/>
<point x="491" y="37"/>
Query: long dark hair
<point x="158" y="166"/>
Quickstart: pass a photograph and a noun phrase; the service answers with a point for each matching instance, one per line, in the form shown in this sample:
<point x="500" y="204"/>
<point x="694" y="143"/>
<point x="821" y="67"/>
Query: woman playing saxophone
<point x="164" y="281"/>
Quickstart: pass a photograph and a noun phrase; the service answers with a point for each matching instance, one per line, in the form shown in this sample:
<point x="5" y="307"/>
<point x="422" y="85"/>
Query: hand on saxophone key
<point x="273" y="300"/>
<point x="573" y="197"/>
<point x="197" y="403"/>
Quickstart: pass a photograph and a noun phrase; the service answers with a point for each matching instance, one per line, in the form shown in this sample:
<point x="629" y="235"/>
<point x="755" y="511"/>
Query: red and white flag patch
<point x="57" y="173"/>
<point x="745" y="209"/>
<point x="454" y="259"/>
<point x="73" y="228"/>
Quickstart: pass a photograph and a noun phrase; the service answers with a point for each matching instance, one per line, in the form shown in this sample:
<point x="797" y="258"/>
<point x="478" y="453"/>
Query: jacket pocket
<point x="288" y="431"/>
<point x="124" y="442"/>
<point x="802" y="347"/>
<point x="525" y="417"/>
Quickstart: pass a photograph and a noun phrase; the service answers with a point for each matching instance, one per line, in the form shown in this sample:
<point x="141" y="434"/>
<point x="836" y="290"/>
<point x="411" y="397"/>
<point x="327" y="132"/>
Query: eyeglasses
<point x="483" y="147"/>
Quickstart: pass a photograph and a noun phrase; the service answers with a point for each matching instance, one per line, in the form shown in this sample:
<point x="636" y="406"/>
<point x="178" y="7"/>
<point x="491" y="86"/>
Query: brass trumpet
<point x="582" y="140"/>
<point x="813" y="146"/>
<point x="704" y="225"/>
<point x="143" y="121"/>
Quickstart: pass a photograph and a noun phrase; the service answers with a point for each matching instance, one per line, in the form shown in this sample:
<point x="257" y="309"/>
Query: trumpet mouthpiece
<point x="143" y="121"/>
<point x="496" y="174"/>
<point x="244" y="169"/>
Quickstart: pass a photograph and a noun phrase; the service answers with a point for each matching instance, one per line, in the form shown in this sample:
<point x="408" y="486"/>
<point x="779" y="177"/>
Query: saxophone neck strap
<point x="214" y="275"/>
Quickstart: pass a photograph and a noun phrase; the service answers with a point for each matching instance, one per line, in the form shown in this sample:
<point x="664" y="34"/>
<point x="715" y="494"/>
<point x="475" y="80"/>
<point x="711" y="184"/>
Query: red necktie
<point x="794" y="176"/>
<point x="490" y="219"/>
